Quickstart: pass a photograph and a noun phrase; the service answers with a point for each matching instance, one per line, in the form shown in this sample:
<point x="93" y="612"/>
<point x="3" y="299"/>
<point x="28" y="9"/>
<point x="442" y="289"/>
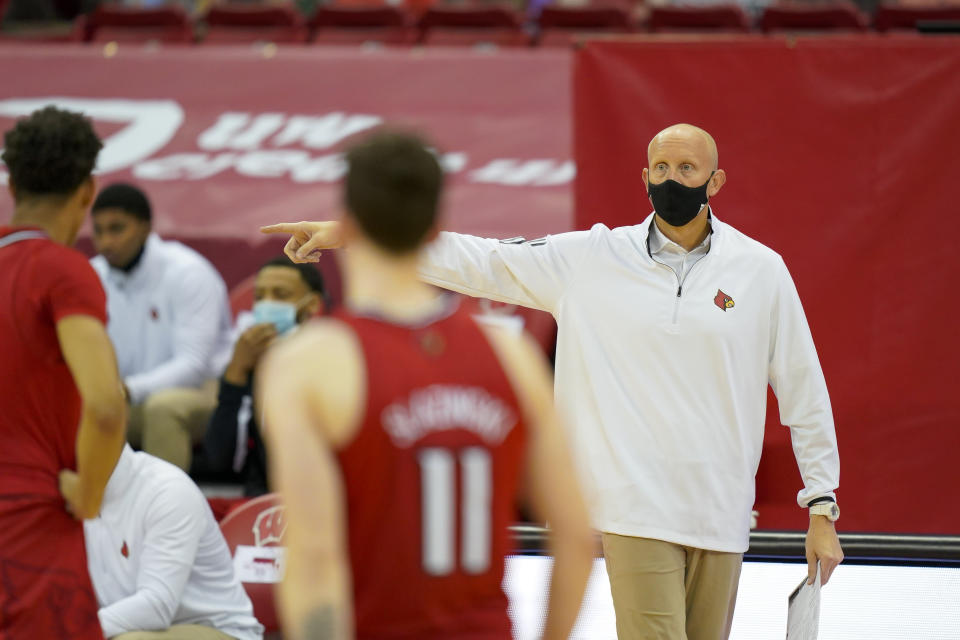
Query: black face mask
<point x="676" y="204"/>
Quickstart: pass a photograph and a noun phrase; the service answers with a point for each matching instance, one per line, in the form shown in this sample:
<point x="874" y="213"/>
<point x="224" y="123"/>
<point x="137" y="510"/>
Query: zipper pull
<point x="679" y="290"/>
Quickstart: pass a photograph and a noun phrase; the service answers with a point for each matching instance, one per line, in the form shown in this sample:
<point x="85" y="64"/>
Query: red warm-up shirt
<point x="46" y="590"/>
<point x="42" y="282"/>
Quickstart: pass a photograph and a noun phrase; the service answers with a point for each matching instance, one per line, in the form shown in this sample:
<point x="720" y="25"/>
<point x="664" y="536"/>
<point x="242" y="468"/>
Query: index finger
<point x="280" y="227"/>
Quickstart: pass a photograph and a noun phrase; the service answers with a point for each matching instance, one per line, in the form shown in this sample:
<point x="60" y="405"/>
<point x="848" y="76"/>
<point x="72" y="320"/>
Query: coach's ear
<point x="13" y="189"/>
<point x="716" y="182"/>
<point x="432" y="234"/>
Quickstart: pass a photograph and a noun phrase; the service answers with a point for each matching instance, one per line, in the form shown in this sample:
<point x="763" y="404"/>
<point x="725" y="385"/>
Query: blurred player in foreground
<point x="60" y="393"/>
<point x="401" y="435"/>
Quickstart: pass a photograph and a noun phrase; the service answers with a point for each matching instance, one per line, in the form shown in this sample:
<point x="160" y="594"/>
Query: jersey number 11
<point x="438" y="505"/>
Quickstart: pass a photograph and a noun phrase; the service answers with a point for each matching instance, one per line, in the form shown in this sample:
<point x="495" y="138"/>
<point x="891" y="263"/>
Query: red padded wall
<point x="842" y="155"/>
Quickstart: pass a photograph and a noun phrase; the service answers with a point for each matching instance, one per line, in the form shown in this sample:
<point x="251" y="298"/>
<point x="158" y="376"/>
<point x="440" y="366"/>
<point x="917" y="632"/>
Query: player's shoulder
<point x="49" y="250"/>
<point x="314" y="345"/>
<point x="60" y="261"/>
<point x="319" y="332"/>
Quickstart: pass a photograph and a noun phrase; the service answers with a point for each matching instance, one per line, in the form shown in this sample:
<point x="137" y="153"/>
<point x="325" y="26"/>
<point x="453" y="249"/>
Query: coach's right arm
<point x="527" y="273"/>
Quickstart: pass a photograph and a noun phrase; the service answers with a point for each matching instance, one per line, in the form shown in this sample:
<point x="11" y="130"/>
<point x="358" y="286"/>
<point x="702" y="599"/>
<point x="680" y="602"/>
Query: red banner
<point x="226" y="139"/>
<point x="841" y="154"/>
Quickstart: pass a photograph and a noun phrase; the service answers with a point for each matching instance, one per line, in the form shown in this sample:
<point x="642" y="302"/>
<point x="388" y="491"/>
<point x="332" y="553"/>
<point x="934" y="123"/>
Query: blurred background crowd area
<point x="77" y="20"/>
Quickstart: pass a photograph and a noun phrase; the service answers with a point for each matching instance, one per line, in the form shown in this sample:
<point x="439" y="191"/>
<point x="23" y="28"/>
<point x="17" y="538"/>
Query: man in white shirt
<point x="669" y="333"/>
<point x="160" y="566"/>
<point x="169" y="323"/>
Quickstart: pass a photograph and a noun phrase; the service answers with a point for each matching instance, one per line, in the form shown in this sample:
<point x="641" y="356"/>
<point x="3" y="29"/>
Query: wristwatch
<point x="828" y="509"/>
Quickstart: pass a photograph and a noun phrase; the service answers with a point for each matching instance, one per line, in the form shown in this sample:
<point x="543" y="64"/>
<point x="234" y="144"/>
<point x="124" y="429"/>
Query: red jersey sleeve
<point x="72" y="286"/>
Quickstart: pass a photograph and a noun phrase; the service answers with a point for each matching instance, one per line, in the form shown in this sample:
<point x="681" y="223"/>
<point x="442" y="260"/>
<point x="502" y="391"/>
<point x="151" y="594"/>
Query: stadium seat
<point x="715" y="18"/>
<point x="221" y="506"/>
<point x="113" y="23"/>
<point x="258" y="523"/>
<point x="41" y="33"/>
<point x="816" y="17"/>
<point x="240" y="24"/>
<point x="894" y="17"/>
<point x="471" y="26"/>
<point x="561" y="26"/>
<point x="384" y="25"/>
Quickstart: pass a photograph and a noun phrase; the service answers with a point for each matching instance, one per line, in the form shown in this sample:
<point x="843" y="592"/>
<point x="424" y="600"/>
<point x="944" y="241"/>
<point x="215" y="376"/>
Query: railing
<point x="788" y="546"/>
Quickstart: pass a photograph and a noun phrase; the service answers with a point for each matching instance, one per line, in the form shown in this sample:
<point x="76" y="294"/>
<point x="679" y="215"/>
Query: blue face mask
<point x="282" y="315"/>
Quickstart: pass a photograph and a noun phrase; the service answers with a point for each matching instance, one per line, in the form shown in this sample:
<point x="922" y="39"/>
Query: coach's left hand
<point x="823" y="545"/>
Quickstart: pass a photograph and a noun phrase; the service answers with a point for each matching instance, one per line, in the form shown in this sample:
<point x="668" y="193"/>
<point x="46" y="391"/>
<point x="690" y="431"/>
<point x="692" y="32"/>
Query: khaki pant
<point x="170" y="422"/>
<point x="177" y="632"/>
<point x="665" y="591"/>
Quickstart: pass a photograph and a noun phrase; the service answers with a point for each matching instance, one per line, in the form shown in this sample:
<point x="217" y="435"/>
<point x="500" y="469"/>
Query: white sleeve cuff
<point x="805" y="496"/>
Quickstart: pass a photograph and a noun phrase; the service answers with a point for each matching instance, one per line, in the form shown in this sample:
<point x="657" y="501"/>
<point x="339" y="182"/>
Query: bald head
<point x="686" y="136"/>
<point x="687" y="155"/>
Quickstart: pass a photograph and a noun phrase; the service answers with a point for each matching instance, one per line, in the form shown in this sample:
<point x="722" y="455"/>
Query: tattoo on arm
<point x="319" y="624"/>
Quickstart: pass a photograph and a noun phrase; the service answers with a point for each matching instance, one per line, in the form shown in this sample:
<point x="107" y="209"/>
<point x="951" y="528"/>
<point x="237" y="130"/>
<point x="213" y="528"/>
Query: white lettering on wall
<point x="238" y="131"/>
<point x="242" y="131"/>
<point x="325" y="131"/>
<point x="151" y="124"/>
<point x="512" y="172"/>
<point x="268" y="145"/>
<point x="185" y="166"/>
<point x="245" y="131"/>
<point x="294" y="164"/>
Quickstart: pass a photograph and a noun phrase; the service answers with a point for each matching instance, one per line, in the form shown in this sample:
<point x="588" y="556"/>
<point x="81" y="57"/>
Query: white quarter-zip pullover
<point x="664" y="390"/>
<point x="157" y="557"/>
<point x="169" y="318"/>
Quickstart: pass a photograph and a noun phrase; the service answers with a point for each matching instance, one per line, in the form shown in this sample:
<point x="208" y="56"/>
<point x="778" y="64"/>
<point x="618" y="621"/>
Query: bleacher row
<point x="389" y="25"/>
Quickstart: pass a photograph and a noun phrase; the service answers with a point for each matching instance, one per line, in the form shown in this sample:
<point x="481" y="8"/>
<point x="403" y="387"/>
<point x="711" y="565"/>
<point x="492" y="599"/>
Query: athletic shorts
<point x="45" y="590"/>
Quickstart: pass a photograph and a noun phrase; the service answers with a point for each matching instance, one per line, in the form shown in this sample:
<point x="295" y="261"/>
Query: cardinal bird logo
<point x="124" y="551"/>
<point x="723" y="301"/>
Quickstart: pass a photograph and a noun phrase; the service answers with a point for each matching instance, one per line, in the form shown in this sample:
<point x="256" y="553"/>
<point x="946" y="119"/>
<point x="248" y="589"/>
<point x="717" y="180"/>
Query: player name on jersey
<point x="443" y="407"/>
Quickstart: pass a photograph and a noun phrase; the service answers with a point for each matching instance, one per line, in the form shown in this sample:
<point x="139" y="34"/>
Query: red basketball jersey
<point x="431" y="478"/>
<point x="43" y="565"/>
